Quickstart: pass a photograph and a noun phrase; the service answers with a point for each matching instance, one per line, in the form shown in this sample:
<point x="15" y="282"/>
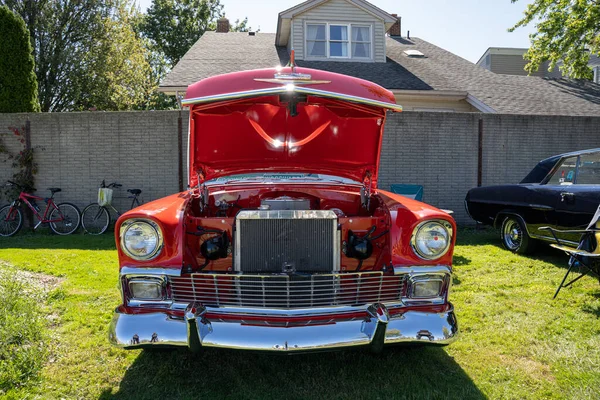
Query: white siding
<point x="379" y="45"/>
<point x="298" y="37"/>
<point x="515" y="65"/>
<point x="344" y="12"/>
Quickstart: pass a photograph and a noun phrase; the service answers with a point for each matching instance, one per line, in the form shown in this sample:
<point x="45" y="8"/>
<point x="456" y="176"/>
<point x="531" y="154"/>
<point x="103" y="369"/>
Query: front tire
<point x="513" y="234"/>
<point x="10" y="221"/>
<point x="95" y="219"/>
<point x="69" y="218"/>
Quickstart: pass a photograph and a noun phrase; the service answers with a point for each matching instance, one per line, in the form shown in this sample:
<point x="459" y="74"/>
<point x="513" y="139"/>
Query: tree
<point x="87" y="53"/>
<point x="18" y="84"/>
<point x="173" y="26"/>
<point x="240" y="26"/>
<point x="117" y="68"/>
<point x="567" y="33"/>
<point x="61" y="32"/>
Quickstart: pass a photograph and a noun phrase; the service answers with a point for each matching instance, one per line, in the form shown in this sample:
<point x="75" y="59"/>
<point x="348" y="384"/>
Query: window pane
<point x="565" y="174"/>
<point x="589" y="169"/>
<point x="362" y="50"/>
<point x="315" y="32"/>
<point x="338" y="49"/>
<point x="316" y="49"/>
<point x="337" y="32"/>
<point x="360" y="34"/>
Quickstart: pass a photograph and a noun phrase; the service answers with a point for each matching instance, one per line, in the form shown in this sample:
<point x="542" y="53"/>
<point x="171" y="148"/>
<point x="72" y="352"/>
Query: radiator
<point x="276" y="241"/>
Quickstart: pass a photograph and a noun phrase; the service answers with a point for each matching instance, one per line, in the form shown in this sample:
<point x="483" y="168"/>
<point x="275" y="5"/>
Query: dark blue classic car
<point x="562" y="192"/>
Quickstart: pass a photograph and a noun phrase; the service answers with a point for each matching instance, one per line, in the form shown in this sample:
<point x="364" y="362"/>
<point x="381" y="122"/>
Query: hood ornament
<point x="294" y="78"/>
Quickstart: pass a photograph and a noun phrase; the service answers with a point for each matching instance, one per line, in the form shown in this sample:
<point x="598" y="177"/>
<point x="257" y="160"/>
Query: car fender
<point x="500" y="217"/>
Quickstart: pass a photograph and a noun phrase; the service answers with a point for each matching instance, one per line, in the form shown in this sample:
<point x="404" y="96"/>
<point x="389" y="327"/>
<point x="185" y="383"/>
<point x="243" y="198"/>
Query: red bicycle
<point x="63" y="218"/>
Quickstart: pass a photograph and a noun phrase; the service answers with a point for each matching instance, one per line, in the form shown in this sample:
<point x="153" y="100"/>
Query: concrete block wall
<point x="75" y="151"/>
<point x="436" y="150"/>
<point x="514" y="144"/>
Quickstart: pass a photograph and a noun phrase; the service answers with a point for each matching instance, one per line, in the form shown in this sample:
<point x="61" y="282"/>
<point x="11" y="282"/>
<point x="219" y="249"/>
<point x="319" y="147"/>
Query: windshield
<point x="280" y="178"/>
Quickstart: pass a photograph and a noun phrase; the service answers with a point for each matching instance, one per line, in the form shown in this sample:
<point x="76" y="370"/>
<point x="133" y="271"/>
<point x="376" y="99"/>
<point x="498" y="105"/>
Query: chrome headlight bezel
<point x="413" y="240"/>
<point x="154" y="226"/>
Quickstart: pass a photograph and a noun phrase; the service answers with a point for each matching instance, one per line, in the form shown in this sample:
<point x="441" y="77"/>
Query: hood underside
<point x="287" y="131"/>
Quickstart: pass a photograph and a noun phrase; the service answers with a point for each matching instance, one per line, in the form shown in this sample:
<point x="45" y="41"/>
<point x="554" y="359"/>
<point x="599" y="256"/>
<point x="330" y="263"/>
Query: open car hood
<point x="286" y="120"/>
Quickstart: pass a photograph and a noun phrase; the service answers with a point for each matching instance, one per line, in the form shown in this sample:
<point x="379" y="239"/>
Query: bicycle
<point x="95" y="218"/>
<point x="63" y="218"/>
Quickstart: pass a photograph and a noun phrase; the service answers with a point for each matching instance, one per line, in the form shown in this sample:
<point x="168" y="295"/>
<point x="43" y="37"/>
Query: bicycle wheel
<point x="68" y="217"/>
<point x="11" y="221"/>
<point x="95" y="219"/>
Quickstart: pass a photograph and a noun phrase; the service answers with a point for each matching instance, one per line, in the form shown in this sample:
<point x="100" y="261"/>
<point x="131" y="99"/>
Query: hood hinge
<point x="365" y="191"/>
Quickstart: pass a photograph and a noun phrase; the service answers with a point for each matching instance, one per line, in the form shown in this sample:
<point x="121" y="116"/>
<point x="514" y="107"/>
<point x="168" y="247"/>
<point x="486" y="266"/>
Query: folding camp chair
<point x="586" y="257"/>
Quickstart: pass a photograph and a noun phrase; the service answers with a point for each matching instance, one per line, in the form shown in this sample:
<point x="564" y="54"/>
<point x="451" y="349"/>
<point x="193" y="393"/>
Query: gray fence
<point x="447" y="153"/>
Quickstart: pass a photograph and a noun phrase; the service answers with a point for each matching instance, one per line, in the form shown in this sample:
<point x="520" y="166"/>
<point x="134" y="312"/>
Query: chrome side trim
<point x="415" y="269"/>
<point x="305" y="312"/>
<point x="195" y="331"/>
<point x="287" y="89"/>
<point x="150" y="271"/>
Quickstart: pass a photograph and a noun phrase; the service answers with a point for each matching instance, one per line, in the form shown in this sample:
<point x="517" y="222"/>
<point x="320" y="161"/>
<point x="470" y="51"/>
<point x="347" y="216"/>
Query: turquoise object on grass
<point x="408" y="190"/>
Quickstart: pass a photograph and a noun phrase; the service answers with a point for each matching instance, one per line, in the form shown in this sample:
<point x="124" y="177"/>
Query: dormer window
<point x="338" y="41"/>
<point x="334" y="40"/>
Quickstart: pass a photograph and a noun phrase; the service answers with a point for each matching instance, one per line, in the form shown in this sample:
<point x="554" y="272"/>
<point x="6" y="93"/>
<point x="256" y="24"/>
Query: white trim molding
<point x="480" y="105"/>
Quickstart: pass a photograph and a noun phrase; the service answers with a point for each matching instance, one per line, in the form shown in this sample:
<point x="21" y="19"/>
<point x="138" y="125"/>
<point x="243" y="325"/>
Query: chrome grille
<point x="285" y="291"/>
<point x="278" y="241"/>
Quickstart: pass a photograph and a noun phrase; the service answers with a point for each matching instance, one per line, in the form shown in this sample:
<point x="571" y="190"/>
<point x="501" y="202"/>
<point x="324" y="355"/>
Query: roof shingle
<point x="218" y="53"/>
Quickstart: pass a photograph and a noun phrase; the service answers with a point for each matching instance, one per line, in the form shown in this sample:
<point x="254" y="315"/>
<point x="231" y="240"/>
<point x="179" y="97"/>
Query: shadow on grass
<point x="401" y="372"/>
<point x="44" y="239"/>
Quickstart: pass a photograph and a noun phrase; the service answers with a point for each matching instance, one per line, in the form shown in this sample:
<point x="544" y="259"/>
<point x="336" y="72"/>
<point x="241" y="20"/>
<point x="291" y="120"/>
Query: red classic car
<point x="283" y="241"/>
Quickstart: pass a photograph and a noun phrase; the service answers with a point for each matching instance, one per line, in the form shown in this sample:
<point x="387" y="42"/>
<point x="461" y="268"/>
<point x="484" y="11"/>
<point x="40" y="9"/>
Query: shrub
<point x="18" y="83"/>
<point x="22" y="332"/>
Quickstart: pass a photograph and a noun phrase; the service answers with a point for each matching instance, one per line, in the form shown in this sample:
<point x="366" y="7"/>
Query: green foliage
<point x="87" y="53"/>
<point x="23" y="162"/>
<point x="241" y="26"/>
<point x="173" y="26"/>
<point x="117" y="67"/>
<point x="62" y="33"/>
<point x="567" y="33"/>
<point x="18" y="84"/>
<point x="22" y="332"/>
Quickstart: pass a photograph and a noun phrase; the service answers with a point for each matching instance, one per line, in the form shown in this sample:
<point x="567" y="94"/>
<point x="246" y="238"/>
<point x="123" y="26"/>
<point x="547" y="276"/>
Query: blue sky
<point x="464" y="27"/>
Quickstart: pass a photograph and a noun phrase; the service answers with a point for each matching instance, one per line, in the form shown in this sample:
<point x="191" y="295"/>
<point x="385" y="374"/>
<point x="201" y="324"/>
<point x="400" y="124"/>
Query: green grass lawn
<point x="516" y="342"/>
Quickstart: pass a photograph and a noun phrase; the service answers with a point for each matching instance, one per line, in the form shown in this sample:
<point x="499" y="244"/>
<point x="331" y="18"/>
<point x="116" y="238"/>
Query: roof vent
<point x="251" y="33"/>
<point x="414" y="53"/>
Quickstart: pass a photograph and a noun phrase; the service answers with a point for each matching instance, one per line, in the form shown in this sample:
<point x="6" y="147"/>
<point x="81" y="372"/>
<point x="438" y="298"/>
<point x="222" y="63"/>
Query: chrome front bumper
<point x="194" y="330"/>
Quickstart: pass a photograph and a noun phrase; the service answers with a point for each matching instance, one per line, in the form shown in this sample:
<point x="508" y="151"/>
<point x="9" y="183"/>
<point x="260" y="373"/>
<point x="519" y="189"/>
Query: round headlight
<point x="431" y="239"/>
<point x="141" y="239"/>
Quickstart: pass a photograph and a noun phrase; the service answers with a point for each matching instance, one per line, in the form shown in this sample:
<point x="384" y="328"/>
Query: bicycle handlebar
<point x="110" y="185"/>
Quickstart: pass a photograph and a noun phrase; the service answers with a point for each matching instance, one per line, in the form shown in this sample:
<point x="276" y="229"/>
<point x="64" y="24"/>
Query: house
<point x="510" y="61"/>
<point x="354" y="37"/>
